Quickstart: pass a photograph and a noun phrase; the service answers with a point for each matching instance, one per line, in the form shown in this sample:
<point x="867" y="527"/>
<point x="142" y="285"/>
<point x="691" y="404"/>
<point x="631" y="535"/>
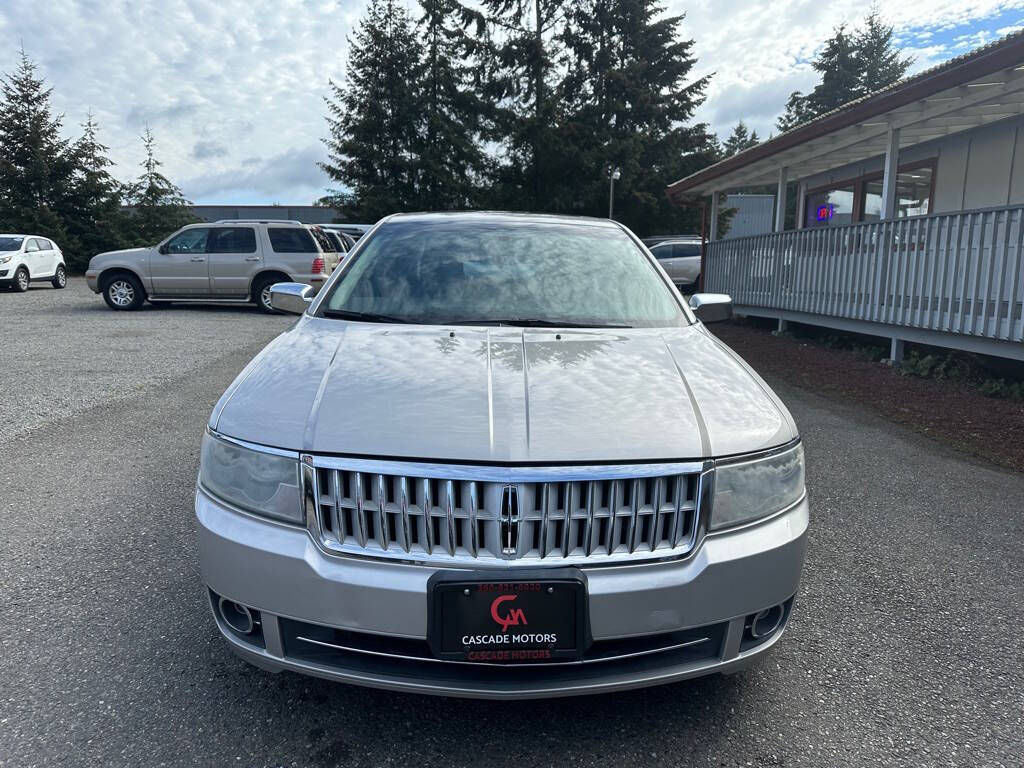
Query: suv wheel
<point x="21" y="280"/>
<point x="124" y="292"/>
<point x="60" y="278"/>
<point x="261" y="294"/>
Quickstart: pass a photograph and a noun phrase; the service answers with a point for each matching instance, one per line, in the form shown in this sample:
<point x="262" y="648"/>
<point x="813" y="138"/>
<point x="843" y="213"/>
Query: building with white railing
<point x="909" y="218"/>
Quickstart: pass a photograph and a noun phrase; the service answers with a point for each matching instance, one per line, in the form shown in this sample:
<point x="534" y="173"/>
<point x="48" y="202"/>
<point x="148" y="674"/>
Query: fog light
<point x="767" y="621"/>
<point x="236" y="616"/>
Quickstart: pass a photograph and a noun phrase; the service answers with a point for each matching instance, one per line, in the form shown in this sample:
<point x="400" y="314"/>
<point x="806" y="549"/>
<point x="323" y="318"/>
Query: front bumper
<point x="370" y="617"/>
<point x="92" y="280"/>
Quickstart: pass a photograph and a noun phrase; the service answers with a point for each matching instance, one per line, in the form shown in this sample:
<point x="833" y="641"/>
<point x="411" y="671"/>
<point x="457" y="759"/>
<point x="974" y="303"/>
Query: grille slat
<point x="454" y="519"/>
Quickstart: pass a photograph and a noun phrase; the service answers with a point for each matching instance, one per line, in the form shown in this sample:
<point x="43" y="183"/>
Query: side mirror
<point x="711" y="307"/>
<point x="293" y="298"/>
<point x="164" y="249"/>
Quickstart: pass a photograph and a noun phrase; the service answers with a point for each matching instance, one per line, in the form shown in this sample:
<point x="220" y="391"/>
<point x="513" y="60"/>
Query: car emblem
<point x="509" y="520"/>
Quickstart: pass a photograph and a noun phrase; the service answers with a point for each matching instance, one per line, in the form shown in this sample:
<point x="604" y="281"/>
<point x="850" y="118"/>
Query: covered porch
<point x="909" y="212"/>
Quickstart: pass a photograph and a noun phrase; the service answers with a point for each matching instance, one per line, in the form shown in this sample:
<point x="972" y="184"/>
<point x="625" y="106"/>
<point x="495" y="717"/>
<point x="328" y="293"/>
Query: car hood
<point x="110" y="257"/>
<point x="501" y="394"/>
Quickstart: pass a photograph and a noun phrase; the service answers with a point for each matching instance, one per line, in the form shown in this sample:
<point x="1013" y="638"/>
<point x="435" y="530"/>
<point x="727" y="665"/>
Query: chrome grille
<point x="493" y="514"/>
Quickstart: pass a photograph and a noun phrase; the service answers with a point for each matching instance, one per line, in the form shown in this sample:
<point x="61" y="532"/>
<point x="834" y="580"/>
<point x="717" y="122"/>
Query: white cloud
<point x="761" y="51"/>
<point x="216" y="81"/>
<point x="233" y="89"/>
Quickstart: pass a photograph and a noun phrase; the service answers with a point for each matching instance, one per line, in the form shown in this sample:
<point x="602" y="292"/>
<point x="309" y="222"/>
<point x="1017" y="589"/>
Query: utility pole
<point x="613" y="175"/>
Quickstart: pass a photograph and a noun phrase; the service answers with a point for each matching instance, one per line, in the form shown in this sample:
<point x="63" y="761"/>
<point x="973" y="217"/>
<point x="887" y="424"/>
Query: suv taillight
<point x="318" y="266"/>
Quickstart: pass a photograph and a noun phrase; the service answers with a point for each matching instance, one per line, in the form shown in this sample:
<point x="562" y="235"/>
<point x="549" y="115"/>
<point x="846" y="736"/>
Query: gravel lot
<point x="904" y="649"/>
<point x="66" y="352"/>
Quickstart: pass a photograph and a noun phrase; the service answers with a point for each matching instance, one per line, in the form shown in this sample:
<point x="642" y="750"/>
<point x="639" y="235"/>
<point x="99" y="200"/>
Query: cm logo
<point x="513" y="618"/>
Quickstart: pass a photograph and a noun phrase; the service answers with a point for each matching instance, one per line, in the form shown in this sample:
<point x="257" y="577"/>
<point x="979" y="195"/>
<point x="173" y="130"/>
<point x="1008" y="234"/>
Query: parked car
<point x="339" y="240"/>
<point x="499" y="456"/>
<point x="227" y="261"/>
<point x="346" y="239"/>
<point x="681" y="260"/>
<point x="26" y="259"/>
<point x="355" y="231"/>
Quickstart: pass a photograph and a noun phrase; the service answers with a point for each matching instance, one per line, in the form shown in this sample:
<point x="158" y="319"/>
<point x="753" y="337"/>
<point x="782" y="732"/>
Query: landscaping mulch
<point x="949" y="411"/>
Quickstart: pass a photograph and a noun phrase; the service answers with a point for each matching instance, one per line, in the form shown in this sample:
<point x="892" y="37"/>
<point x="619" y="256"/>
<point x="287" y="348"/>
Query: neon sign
<point x="826" y="211"/>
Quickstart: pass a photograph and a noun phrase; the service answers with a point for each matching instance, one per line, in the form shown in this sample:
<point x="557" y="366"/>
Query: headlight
<point x="259" y="482"/>
<point x="747" y="490"/>
<point x="5" y="259"/>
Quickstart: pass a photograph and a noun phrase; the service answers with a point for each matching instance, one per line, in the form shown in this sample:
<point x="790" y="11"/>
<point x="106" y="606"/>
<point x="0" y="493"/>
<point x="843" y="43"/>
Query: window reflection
<point x="478" y="271"/>
<point x="830" y="207"/>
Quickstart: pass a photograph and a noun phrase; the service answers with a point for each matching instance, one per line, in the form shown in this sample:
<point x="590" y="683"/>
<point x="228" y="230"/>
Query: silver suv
<point x="228" y="261"/>
<point x="498" y="456"/>
<point x="680" y="258"/>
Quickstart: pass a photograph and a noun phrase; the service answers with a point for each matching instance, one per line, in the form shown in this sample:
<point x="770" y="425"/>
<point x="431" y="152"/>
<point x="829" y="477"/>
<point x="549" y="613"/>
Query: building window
<point x="830" y="207"/>
<point x="861" y="199"/>
<point x="913" y="195"/>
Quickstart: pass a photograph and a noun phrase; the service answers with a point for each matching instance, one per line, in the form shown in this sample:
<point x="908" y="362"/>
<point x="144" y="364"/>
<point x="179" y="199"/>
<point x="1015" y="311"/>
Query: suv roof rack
<point x="257" y="221"/>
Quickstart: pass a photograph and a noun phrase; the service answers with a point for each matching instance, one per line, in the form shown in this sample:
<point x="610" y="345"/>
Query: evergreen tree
<point x="35" y="160"/>
<point x="881" y="64"/>
<point x="375" y="118"/>
<point x="93" y="216"/>
<point x="519" y="49"/>
<point x="158" y="207"/>
<point x="450" y="157"/>
<point x="839" y="65"/>
<point x="632" y="105"/>
<point x="852" y="65"/>
<point x="740" y="139"/>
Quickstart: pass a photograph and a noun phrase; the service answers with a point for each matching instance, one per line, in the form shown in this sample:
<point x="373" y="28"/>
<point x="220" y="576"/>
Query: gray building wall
<point x="307" y="214"/>
<point x="978" y="168"/>
<point x="753" y="215"/>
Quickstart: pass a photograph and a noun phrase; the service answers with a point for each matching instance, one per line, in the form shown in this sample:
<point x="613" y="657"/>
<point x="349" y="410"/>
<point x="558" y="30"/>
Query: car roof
<point x="677" y="241"/>
<point x="506" y="216"/>
<point x="19" y="234"/>
<point x="247" y="222"/>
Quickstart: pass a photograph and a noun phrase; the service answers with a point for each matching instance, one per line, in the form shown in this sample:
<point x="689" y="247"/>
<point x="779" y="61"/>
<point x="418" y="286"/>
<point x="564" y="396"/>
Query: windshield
<point x="512" y="272"/>
<point x="11" y="243"/>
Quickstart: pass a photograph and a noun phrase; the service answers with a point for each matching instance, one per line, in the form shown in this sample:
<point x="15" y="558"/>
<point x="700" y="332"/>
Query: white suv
<point x="227" y="261"/>
<point x="30" y="258"/>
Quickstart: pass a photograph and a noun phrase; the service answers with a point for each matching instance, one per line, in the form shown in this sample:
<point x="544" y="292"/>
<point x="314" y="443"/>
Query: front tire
<point x="21" y="280"/>
<point x="124" y="293"/>
<point x="60" y="277"/>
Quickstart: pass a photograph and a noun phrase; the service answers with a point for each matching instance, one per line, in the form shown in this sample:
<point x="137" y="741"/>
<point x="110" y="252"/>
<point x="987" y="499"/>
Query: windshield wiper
<point x="366" y="317"/>
<point x="536" y="322"/>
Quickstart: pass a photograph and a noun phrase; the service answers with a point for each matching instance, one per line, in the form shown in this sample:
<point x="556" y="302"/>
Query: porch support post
<point x="713" y="233"/>
<point x="801" y="203"/>
<point x="896" y="348"/>
<point x="892" y="164"/>
<point x="780" y="200"/>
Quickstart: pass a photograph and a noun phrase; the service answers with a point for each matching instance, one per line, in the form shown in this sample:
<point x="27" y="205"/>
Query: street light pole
<point x="613" y="174"/>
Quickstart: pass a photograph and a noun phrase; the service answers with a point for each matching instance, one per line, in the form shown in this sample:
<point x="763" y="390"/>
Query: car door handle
<point x="252" y="258"/>
<point x="197" y="258"/>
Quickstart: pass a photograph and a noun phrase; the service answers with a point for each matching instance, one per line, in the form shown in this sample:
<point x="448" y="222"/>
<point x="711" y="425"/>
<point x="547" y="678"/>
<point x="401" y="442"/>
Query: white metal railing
<point x="959" y="273"/>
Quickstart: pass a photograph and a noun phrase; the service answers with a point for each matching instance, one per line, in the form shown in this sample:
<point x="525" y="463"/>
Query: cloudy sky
<point x="233" y="89"/>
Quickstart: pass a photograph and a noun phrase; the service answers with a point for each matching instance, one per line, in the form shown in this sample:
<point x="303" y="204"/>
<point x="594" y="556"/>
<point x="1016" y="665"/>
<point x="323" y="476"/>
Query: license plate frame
<point x="453" y="615"/>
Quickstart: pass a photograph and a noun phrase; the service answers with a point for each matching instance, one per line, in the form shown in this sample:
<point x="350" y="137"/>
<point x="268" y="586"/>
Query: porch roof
<point x="980" y="87"/>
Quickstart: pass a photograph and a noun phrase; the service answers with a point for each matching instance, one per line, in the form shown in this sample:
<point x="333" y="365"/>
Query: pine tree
<point x="450" y="157"/>
<point x="851" y="66"/>
<point x="740" y="139"/>
<point x="158" y="207"/>
<point x="93" y="216"/>
<point x="632" y="104"/>
<point x="375" y="117"/>
<point x="880" y="63"/>
<point x="520" y="47"/>
<point x="35" y="160"/>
